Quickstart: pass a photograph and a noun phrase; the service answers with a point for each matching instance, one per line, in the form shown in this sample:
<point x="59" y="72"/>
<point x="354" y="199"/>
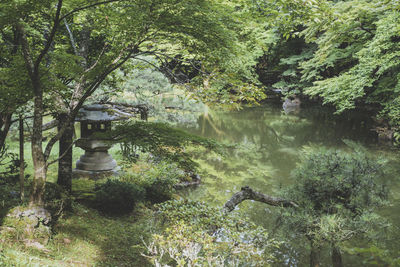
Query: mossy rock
<point x="27" y="223"/>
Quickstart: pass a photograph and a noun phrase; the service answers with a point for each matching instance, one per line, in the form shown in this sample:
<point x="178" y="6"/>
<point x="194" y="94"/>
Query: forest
<point x="199" y="133"/>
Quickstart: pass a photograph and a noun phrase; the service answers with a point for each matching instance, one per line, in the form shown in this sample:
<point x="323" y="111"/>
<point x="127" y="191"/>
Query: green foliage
<point x="57" y="201"/>
<point x="290" y="82"/>
<point x="377" y="256"/>
<point x="9" y="171"/>
<point x="337" y="193"/>
<point x="117" y="197"/>
<point x="351" y="57"/>
<point x="197" y="234"/>
<point x="161" y="140"/>
<point x="158" y="180"/>
<point x="143" y="83"/>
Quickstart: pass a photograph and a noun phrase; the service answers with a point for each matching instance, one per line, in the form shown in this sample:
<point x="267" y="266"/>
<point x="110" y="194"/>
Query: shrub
<point x="338" y="193"/>
<point x="192" y="233"/>
<point x="117" y="197"/>
<point x="9" y="173"/>
<point x="158" y="181"/>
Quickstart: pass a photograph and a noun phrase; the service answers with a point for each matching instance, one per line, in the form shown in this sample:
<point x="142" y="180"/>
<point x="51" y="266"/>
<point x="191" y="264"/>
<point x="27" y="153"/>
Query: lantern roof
<point x="98" y="113"/>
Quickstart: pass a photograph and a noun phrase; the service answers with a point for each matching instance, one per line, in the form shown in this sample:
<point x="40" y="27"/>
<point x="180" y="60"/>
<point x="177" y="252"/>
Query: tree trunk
<point x="336" y="257"/>
<point x="314" y="256"/>
<point x="5" y="123"/>
<point x="39" y="162"/>
<point x="21" y="159"/>
<point x="65" y="155"/>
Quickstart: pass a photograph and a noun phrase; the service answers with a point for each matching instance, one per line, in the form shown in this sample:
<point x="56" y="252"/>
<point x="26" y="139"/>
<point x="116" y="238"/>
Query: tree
<point x="337" y="193"/>
<point x="350" y="58"/>
<point x="65" y="70"/>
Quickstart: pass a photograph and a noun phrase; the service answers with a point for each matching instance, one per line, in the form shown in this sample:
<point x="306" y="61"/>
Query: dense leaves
<point x="161" y="140"/>
<point x="337" y="193"/>
<point x="194" y="233"/>
<point x="350" y="58"/>
<point x="117" y="197"/>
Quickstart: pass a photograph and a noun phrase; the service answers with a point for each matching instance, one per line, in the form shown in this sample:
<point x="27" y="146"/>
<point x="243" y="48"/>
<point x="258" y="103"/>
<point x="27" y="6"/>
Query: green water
<point x="270" y="143"/>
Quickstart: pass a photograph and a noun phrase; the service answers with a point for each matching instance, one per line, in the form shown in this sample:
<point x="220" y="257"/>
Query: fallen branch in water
<point x="248" y="193"/>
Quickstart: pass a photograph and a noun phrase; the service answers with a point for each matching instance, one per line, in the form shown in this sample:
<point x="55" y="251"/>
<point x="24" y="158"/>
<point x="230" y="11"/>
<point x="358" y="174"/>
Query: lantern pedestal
<point x="96" y="157"/>
<point x="94" y="175"/>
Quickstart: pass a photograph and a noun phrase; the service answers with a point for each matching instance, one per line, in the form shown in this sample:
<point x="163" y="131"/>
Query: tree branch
<point x="26" y="51"/>
<point x="248" y="193"/>
<point x="71" y="37"/>
<point x="113" y="66"/>
<point x="60" y="157"/>
<point x="50" y="125"/>
<point x="50" y="38"/>
<point x="86" y="7"/>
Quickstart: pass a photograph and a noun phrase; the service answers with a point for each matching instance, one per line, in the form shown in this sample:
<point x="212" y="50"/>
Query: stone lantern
<point x="96" y="162"/>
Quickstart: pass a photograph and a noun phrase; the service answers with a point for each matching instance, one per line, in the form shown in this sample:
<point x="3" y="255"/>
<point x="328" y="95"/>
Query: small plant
<point x="117" y="197"/>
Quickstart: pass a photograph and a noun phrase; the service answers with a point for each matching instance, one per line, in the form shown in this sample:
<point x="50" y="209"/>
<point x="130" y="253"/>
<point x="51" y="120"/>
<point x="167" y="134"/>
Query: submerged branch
<point x="248" y="193"/>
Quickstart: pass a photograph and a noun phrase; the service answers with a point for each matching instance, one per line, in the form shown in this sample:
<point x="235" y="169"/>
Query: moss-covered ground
<point x="83" y="237"/>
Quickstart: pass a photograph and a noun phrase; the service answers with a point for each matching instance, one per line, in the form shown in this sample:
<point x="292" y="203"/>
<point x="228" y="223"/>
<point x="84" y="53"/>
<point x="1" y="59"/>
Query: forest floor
<point x="82" y="237"/>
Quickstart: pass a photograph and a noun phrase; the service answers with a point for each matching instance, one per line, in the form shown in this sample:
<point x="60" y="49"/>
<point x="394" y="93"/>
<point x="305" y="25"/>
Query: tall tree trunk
<point x="65" y="154"/>
<point x="21" y="159"/>
<point x="336" y="257"/>
<point x="39" y="162"/>
<point x="314" y="255"/>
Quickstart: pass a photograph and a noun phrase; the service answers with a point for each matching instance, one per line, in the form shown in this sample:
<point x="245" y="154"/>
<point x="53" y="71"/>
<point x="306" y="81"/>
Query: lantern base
<point x="94" y="175"/>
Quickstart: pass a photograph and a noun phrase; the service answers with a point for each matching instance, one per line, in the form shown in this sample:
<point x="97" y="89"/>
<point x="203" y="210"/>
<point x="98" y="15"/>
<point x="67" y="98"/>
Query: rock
<point x="35" y="245"/>
<point x="384" y="133"/>
<point x="291" y="105"/>
<point x="35" y="214"/>
<point x="30" y="223"/>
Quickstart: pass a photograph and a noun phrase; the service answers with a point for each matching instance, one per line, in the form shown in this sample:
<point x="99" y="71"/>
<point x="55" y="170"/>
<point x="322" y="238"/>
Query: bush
<point x="117" y="197"/>
<point x="338" y="193"/>
<point x="192" y="233"/>
<point x="158" y="181"/>
<point x="9" y="173"/>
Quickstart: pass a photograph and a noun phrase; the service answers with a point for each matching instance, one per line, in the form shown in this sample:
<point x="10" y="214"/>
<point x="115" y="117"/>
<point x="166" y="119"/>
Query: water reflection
<point x="269" y="142"/>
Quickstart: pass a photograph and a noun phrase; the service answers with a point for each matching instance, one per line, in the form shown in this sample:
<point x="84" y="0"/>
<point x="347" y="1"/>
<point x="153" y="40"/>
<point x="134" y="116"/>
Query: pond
<point x="269" y="144"/>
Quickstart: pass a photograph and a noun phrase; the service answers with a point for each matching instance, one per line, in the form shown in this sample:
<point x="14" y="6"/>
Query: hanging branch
<point x="248" y="193"/>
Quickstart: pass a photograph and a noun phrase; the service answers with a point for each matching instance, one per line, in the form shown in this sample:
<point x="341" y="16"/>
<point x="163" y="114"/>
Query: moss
<point x="84" y="238"/>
